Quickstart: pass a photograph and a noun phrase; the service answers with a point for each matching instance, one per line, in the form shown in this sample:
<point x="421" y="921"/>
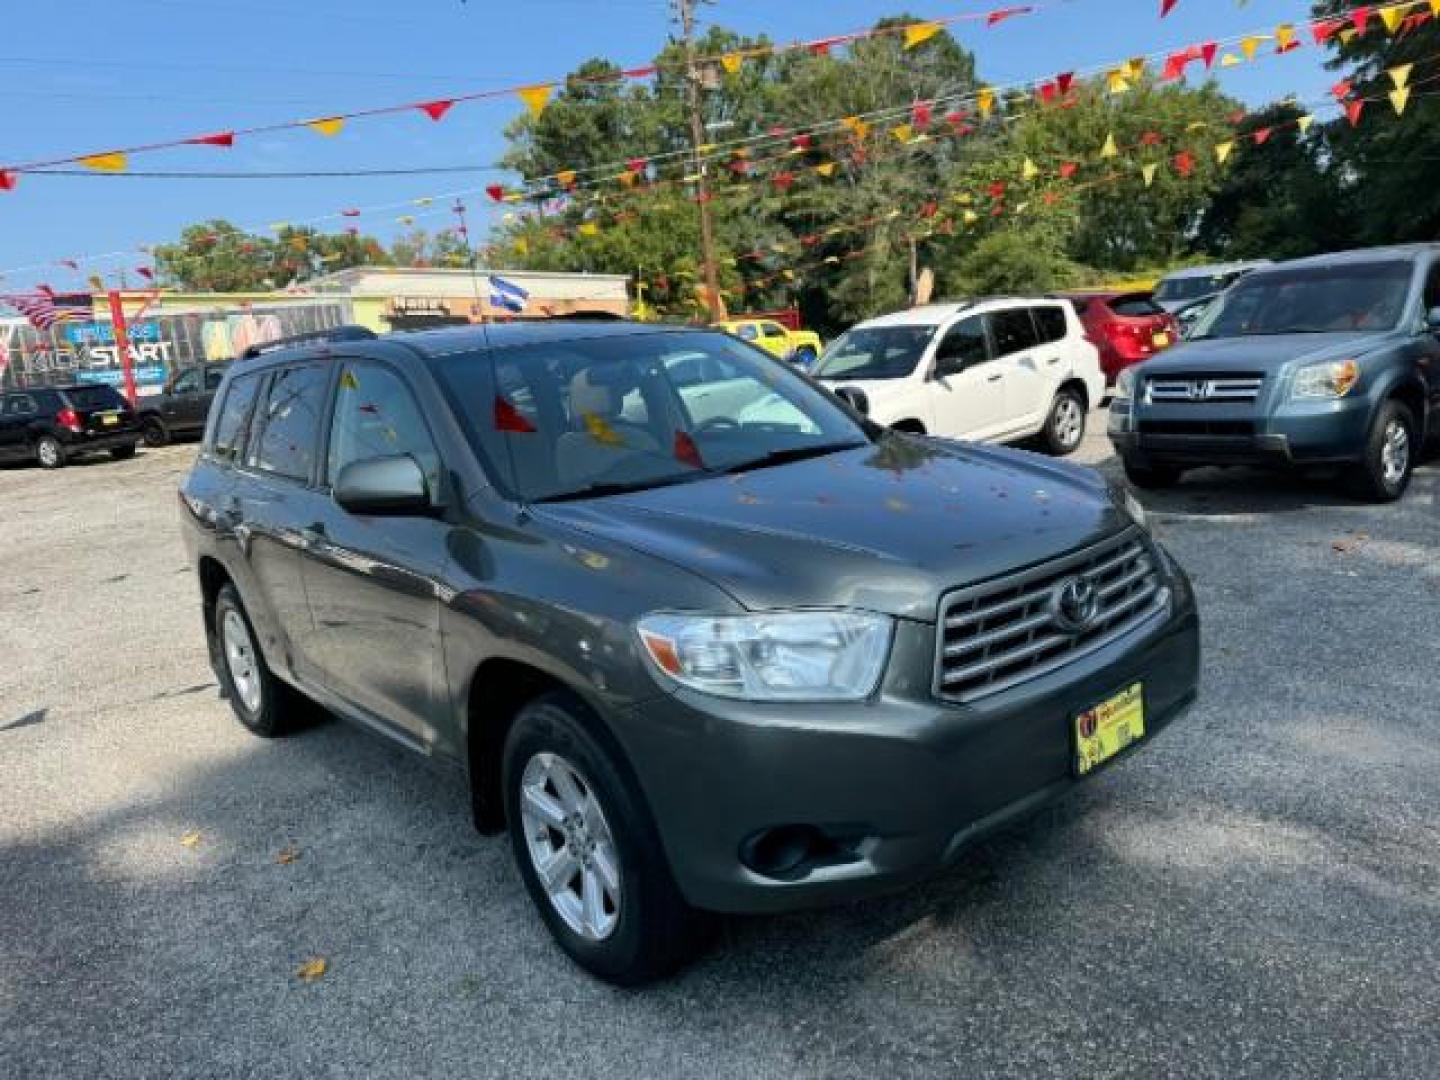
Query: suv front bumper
<point x="900" y="785"/>
<point x="1297" y="433"/>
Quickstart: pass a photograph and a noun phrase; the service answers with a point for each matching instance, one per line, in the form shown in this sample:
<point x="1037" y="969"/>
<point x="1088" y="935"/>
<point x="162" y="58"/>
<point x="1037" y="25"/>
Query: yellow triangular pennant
<point x="1400" y="76"/>
<point x="1392" y="16"/>
<point x="827" y="169"/>
<point x="1118" y="83"/>
<point x="1109" y="150"/>
<point x="1223" y="151"/>
<point x="731" y="62"/>
<point x="1230" y="60"/>
<point x="902" y="132"/>
<point x="1304" y="122"/>
<point x="112" y="162"/>
<point x="1284" y="35"/>
<point x="857" y="127"/>
<point x="1148" y="172"/>
<point x="566" y="177"/>
<point x="919" y="33"/>
<point x="1435" y="8"/>
<point x="536" y="97"/>
<point x="1400" y="98"/>
<point x="330" y="126"/>
<point x="1250" y="45"/>
<point x="1135" y="68"/>
<point x="970" y="217"/>
<point x="1029" y="170"/>
<point x="985" y="101"/>
<point x="589" y="228"/>
<point x="1347" y="35"/>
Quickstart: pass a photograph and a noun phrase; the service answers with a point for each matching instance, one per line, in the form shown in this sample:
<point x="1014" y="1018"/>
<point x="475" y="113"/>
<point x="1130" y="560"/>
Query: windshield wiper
<point x="596" y="491"/>
<point x="792" y="453"/>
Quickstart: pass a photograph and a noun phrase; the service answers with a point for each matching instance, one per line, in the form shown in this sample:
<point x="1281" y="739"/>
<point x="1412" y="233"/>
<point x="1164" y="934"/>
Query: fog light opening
<point x="787" y="852"/>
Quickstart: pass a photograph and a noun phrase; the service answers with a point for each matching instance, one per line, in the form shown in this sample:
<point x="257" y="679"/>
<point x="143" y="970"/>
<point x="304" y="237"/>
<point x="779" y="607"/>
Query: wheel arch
<point x="912" y="425"/>
<point x="1076" y="383"/>
<point x="1410" y="392"/>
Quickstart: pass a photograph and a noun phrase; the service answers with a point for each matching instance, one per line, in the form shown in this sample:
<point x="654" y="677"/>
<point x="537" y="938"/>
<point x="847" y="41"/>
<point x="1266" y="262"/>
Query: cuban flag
<point x="507" y="295"/>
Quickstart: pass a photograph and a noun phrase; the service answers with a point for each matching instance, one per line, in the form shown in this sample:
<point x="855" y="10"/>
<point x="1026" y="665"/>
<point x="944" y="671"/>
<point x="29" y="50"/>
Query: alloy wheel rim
<point x="48" y="453"/>
<point x="1068" y="422"/>
<point x="570" y="845"/>
<point x="1395" y="453"/>
<point x="240" y="660"/>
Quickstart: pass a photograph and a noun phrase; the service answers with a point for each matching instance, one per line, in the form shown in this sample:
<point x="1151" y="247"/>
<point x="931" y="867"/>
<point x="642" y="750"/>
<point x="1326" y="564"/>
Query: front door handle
<point x="1053" y="361"/>
<point x="994" y="378"/>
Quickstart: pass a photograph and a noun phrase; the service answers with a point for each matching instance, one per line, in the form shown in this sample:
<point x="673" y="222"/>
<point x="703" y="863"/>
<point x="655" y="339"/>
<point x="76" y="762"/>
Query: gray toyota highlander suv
<point x="703" y="638"/>
<point x="1329" y="361"/>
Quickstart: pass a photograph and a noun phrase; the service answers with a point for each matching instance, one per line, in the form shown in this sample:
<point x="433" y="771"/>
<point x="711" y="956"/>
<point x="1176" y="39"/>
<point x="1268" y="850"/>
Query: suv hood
<point x="1263" y="353"/>
<point x="887" y="527"/>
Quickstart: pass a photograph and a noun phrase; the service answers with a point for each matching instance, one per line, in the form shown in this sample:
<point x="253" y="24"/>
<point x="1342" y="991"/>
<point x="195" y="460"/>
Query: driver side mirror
<point x="393" y="486"/>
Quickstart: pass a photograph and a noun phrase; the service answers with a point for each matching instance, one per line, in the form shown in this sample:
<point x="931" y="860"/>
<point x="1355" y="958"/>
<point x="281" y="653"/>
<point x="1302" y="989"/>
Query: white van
<point x="998" y="370"/>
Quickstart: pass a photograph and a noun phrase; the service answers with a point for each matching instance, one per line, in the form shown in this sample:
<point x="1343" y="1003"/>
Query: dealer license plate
<point x="1108" y="728"/>
<point x="1161" y="340"/>
<point x="109" y="419"/>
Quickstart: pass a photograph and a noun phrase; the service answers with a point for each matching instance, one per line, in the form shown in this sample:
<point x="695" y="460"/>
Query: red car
<point x="1126" y="327"/>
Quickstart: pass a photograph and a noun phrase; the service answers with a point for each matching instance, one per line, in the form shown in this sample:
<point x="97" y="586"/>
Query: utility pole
<point x="685" y="10"/>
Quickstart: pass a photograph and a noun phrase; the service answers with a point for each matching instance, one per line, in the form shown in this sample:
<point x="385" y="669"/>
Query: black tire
<point x="276" y="710"/>
<point x="1151" y="477"/>
<point x="154" y="432"/>
<point x="123" y="453"/>
<point x="1064" y="429"/>
<point x="654" y="930"/>
<point x="49" y="452"/>
<point x="805" y="356"/>
<point x="1378" y="476"/>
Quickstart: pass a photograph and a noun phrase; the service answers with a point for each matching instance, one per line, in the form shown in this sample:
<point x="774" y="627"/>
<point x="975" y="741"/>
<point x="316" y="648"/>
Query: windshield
<point x="575" y="419"/>
<point x="87" y="398"/>
<point x="1190" y="287"/>
<point x="876" y="352"/>
<point x="1311" y="300"/>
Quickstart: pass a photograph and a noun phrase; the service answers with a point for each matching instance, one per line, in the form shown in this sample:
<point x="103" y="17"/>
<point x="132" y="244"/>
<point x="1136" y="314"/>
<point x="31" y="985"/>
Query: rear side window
<point x="213" y="378"/>
<point x="90" y="398"/>
<point x="1432" y="288"/>
<point x="1136" y="306"/>
<point x="289" y="422"/>
<point x="188" y="383"/>
<point x="1013" y="331"/>
<point x="233" y="416"/>
<point x="1050" y="324"/>
<point x="20" y="405"/>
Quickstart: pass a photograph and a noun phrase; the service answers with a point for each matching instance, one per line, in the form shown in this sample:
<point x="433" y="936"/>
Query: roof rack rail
<point x="315" y="337"/>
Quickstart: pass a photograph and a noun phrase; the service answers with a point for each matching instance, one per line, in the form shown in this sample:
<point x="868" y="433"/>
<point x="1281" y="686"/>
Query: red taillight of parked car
<point x="68" y="418"/>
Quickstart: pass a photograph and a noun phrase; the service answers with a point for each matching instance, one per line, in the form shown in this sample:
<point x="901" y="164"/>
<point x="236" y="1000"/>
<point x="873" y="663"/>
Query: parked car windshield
<point x="1190" y="287"/>
<point x="99" y="396"/>
<point x="875" y="352"/>
<point x="600" y="416"/>
<point x="1311" y="300"/>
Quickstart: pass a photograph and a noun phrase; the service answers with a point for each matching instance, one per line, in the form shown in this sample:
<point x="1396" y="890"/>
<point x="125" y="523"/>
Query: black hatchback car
<point x="704" y="638"/>
<point x="53" y="425"/>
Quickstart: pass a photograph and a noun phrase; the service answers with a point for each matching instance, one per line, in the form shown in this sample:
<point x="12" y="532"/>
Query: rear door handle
<point x="995" y="378"/>
<point x="1053" y="360"/>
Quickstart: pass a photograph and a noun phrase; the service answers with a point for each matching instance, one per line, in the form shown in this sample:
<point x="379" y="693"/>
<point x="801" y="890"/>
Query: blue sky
<point x="89" y="75"/>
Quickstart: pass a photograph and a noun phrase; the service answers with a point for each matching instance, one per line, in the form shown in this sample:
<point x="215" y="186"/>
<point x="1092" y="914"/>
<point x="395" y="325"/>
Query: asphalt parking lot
<point x="1257" y="895"/>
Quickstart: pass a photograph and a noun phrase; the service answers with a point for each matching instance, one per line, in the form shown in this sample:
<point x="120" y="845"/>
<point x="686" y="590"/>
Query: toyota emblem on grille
<point x="1074" y="605"/>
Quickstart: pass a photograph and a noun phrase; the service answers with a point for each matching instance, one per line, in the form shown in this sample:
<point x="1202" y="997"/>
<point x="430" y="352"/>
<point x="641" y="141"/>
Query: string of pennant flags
<point x="912" y="125"/>
<point x="1394" y="17"/>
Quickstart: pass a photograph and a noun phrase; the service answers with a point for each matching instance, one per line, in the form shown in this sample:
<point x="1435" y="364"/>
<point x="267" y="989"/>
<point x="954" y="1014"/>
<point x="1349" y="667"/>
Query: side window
<point x="20" y="405"/>
<point x="376" y="416"/>
<point x="964" y="346"/>
<point x="289" y="422"/>
<point x="188" y="383"/>
<point x="1432" y="288"/>
<point x="233" y="417"/>
<point x="747" y="332"/>
<point x="774" y="330"/>
<point x="1014" y="331"/>
<point x="1050" y="323"/>
<point x="213" y="378"/>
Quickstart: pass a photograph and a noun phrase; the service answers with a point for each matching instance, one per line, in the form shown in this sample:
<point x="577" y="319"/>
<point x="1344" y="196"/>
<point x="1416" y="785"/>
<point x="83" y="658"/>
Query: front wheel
<point x="1384" y="472"/>
<point x="588" y="851"/>
<point x="155" y="433"/>
<point x="1065" y="426"/>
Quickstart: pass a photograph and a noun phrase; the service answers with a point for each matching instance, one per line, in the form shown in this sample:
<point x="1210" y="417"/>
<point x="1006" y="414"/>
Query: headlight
<point x="786" y="656"/>
<point x="1124" y="385"/>
<point x="1331" y="379"/>
<point x="1126" y="500"/>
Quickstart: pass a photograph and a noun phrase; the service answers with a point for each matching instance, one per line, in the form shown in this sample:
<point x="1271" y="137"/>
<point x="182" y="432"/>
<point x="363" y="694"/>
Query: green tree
<point x="215" y="256"/>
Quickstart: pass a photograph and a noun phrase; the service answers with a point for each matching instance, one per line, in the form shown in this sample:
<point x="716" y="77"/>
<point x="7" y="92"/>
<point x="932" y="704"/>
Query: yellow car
<point x="798" y="346"/>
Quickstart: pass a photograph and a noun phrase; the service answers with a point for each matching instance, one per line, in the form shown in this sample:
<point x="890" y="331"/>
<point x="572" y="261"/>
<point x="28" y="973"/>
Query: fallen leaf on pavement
<point x="312" y="969"/>
<point x="191" y="839"/>
<point x="287" y="855"/>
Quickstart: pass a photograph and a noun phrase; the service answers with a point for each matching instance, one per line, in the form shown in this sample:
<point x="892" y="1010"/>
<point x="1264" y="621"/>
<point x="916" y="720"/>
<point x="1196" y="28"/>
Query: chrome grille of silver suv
<point x="1201" y="389"/>
<point x="1003" y="632"/>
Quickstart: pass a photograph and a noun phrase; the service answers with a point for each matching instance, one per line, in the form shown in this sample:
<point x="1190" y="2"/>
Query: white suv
<point x="999" y="370"/>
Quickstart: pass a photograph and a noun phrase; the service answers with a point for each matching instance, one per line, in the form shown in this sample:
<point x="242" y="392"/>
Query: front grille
<point x="1223" y="428"/>
<point x="1003" y="632"/>
<point x="1202" y="388"/>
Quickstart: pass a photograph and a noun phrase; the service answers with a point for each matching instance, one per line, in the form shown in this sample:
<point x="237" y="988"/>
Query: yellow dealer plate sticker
<point x="1108" y="728"/>
<point x="109" y="418"/>
<point x="1161" y="340"/>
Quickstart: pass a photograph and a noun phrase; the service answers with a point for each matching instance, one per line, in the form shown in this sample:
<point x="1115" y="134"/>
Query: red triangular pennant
<point x="8" y="180"/>
<point x="218" y="138"/>
<point x="686" y="452"/>
<point x="1262" y="136"/>
<point x="921" y="114"/>
<point x="1207" y="53"/>
<point x="1184" y="163"/>
<point x="436" y="109"/>
<point x="510" y="419"/>
<point x="1167" y="6"/>
<point x="1353" y="109"/>
<point x="1064" y="81"/>
<point x="496" y="192"/>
